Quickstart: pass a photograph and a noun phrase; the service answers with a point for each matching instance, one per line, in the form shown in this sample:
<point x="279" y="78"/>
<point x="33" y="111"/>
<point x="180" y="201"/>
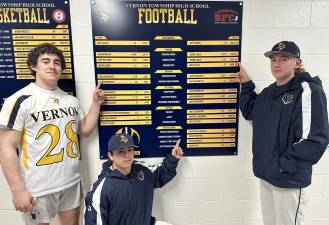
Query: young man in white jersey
<point x="43" y="122"/>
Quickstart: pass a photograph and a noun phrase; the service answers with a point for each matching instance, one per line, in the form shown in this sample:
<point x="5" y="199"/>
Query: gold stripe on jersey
<point x="24" y="149"/>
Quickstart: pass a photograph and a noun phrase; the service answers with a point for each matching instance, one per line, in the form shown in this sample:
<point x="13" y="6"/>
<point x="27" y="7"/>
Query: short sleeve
<point x="13" y="113"/>
<point x="80" y="111"/>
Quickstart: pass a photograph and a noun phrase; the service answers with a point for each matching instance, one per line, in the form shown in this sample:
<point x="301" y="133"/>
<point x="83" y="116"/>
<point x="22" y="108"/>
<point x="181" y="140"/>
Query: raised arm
<point x="167" y="170"/>
<point x="177" y="151"/>
<point x="248" y="95"/>
<point x="9" y="141"/>
<point x="89" y="122"/>
<point x="242" y="76"/>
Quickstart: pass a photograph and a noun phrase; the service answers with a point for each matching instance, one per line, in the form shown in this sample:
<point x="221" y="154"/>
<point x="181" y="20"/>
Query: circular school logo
<point x="58" y="16"/>
<point x="140" y="175"/>
<point x="226" y="16"/>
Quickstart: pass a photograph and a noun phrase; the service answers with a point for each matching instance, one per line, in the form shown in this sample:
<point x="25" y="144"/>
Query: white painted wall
<point x="216" y="190"/>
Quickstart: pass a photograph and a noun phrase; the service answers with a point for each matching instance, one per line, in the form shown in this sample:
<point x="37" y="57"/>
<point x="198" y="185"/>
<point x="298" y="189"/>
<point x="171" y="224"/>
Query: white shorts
<point x="47" y="206"/>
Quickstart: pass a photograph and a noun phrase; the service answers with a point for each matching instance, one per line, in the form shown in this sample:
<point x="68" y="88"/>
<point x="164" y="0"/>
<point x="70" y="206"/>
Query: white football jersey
<point x="49" y="150"/>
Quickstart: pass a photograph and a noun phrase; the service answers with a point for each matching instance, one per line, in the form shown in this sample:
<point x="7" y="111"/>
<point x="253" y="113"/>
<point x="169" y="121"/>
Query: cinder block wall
<point x="216" y="190"/>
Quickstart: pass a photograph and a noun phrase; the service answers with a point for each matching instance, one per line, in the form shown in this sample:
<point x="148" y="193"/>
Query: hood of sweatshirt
<point x="294" y="83"/>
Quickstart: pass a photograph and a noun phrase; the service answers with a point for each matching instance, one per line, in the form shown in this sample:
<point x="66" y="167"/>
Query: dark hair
<point x="46" y="48"/>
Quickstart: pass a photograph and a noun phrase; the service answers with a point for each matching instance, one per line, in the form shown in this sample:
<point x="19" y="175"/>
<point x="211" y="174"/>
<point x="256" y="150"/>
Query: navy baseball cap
<point x="284" y="47"/>
<point x="118" y="141"/>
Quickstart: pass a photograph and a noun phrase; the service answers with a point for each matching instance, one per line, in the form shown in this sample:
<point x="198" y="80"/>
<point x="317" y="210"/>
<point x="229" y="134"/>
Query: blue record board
<point x="23" y="26"/>
<point x="168" y="71"/>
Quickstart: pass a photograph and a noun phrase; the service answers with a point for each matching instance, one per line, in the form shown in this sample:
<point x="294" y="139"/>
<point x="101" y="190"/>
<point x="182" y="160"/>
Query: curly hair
<point x="46" y="48"/>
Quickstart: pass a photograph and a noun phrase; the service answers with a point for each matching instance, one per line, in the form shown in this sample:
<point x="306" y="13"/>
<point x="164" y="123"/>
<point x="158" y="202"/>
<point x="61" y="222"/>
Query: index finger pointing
<point x="98" y="85"/>
<point x="177" y="143"/>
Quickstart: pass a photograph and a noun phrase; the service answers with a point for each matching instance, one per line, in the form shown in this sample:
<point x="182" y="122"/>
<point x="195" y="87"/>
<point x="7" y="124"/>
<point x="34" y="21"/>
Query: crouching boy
<point x="123" y="193"/>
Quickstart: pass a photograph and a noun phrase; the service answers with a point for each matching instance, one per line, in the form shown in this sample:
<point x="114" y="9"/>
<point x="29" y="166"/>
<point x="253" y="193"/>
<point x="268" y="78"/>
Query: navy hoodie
<point x="290" y="129"/>
<point x="116" y="199"/>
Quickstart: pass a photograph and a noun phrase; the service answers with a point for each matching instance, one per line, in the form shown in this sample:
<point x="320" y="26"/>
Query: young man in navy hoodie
<point x="123" y="193"/>
<point x="290" y="133"/>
